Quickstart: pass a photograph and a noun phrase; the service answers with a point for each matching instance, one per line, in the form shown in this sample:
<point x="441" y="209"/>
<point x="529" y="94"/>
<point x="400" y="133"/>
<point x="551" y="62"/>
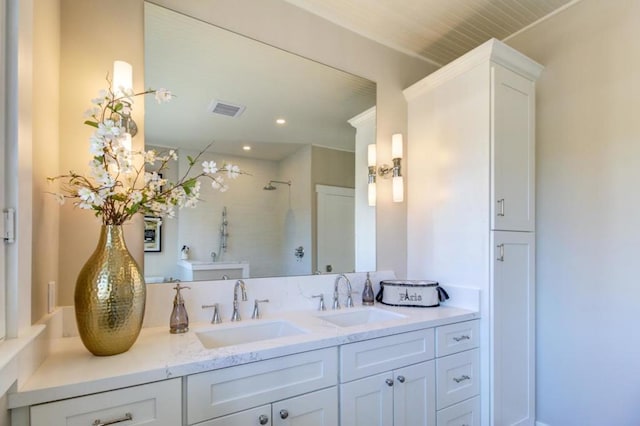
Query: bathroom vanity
<point x="357" y="366"/>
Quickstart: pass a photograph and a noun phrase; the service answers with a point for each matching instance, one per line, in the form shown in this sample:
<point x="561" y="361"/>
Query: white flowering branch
<point x="115" y="189"/>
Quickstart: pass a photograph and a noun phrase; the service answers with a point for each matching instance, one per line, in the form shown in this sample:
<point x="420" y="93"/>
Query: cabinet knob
<point x="401" y="379"/>
<point x="389" y="382"/>
<point x="284" y="414"/>
<point x="263" y="419"/>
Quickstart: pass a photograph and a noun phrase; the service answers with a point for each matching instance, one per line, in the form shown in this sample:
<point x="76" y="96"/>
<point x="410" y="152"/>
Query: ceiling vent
<point x="226" y="108"/>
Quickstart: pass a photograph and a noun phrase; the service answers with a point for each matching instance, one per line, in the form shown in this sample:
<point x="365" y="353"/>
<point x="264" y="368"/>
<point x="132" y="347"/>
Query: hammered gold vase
<point x="110" y="296"/>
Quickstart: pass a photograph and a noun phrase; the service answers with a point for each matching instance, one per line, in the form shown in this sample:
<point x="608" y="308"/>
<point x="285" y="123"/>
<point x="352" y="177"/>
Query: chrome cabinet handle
<point x="263" y="420"/>
<point x="461" y="378"/>
<point x="284" y="414"/>
<point x="501" y="207"/>
<point x="461" y="338"/>
<point x="500" y="257"/>
<point x="389" y="382"/>
<point x="99" y="422"/>
<point x="401" y="379"/>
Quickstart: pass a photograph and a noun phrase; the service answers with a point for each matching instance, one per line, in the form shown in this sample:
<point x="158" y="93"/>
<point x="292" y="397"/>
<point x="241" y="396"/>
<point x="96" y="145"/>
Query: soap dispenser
<point x="367" y="293"/>
<point x="179" y="321"/>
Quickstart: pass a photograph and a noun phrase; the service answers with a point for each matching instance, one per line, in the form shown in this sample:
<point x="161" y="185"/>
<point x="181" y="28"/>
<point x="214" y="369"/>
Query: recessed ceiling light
<point x="246" y="148"/>
<point x="281" y="121"/>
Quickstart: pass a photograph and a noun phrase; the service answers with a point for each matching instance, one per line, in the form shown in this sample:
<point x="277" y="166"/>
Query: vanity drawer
<point x="457" y="377"/>
<point x="457" y="337"/>
<point x="158" y="404"/>
<point x="229" y="390"/>
<point x="362" y="359"/>
<point x="465" y="413"/>
<point x="252" y="417"/>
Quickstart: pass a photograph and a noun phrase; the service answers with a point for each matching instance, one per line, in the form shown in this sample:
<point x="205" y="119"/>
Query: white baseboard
<point x="541" y="424"/>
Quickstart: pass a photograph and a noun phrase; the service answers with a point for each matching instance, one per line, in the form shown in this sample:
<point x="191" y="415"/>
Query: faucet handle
<point x="321" y="305"/>
<point x="256" y="310"/>
<point x="215" y="319"/>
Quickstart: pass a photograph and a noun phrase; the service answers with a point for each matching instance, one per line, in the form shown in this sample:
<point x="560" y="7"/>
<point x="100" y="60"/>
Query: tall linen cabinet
<point x="470" y="184"/>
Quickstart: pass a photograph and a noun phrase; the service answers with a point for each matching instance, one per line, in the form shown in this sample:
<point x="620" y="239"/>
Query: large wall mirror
<point x="302" y="207"/>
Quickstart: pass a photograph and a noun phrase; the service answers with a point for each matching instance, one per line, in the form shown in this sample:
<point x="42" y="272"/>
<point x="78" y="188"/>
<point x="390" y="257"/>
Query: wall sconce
<point x="395" y="170"/>
<point x="122" y="85"/>
<point x="371" y="186"/>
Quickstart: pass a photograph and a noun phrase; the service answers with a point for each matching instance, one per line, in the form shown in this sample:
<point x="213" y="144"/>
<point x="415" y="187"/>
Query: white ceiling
<point x="436" y="30"/>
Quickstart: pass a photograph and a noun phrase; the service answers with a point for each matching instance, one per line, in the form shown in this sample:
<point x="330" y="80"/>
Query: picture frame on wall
<point x="152" y="234"/>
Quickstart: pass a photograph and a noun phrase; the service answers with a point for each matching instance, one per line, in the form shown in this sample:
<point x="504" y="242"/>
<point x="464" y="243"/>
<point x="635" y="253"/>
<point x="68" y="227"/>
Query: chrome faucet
<point x="236" y="315"/>
<point x="336" y="302"/>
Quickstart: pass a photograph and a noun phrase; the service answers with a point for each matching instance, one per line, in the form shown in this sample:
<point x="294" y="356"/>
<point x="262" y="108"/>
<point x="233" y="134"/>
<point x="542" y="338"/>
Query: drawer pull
<point x="401" y="379"/>
<point x="500" y="257"/>
<point x="389" y="382"/>
<point x="461" y="378"/>
<point x="263" y="419"/>
<point x="284" y="414"/>
<point x="99" y="422"/>
<point x="461" y="338"/>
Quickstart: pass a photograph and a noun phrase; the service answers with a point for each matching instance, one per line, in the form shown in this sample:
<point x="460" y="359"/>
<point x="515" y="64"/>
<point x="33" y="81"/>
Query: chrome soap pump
<point x="179" y="321"/>
<point x="367" y="293"/>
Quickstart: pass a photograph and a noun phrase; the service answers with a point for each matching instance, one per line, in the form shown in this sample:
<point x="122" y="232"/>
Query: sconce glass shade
<point x="371" y="155"/>
<point x="398" y="189"/>
<point x="396" y="145"/>
<point x="122" y="76"/>
<point x="126" y="142"/>
<point x="371" y="194"/>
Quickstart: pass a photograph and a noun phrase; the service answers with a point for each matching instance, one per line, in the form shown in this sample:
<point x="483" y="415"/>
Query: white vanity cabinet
<point x="402" y="397"/>
<point x="388" y="381"/>
<point x="471" y="207"/>
<point x="290" y="390"/>
<point x="158" y="404"/>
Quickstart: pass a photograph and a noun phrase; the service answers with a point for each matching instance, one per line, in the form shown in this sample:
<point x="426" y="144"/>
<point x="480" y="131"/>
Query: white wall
<point x="94" y="33"/>
<point x="588" y="205"/>
<point x="46" y="42"/>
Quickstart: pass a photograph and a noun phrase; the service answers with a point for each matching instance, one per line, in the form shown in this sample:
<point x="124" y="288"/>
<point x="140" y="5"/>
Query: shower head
<point x="270" y="187"/>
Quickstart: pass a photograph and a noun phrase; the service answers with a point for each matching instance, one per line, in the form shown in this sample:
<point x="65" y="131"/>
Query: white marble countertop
<point x="71" y="370"/>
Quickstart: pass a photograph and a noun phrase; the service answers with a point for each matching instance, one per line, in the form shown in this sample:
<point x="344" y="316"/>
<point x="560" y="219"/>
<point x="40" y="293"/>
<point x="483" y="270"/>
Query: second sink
<point x="358" y="317"/>
<point x="219" y="337"/>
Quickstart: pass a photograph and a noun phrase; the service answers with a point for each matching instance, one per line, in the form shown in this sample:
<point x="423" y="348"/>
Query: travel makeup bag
<point x="411" y="293"/>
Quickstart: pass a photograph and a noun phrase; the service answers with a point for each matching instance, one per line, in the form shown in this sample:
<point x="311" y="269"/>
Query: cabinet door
<point x="414" y="395"/>
<point x="512" y="324"/>
<point x="513" y="151"/>
<point x="313" y="409"/>
<point x="367" y="402"/>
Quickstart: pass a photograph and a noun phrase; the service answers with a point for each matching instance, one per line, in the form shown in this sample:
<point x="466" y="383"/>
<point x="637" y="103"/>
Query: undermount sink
<point x="249" y="333"/>
<point x="364" y="316"/>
